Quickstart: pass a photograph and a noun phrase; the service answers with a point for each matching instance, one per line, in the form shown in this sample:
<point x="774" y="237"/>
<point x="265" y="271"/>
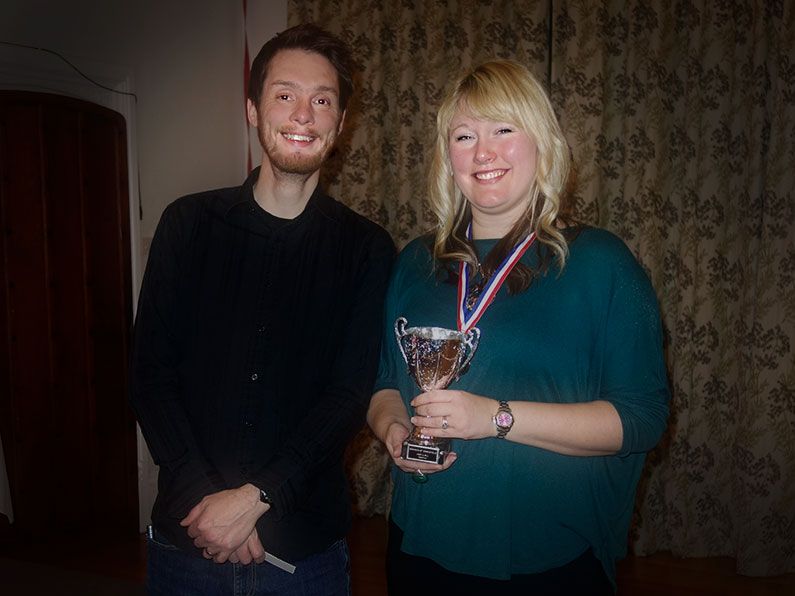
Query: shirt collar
<point x="319" y="200"/>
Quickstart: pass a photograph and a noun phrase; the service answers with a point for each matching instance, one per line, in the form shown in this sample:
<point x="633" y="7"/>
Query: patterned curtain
<point x="681" y="118"/>
<point x="407" y="52"/>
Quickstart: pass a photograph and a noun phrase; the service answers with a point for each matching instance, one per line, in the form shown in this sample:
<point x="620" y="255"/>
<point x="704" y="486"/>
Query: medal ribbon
<point x="467" y="317"/>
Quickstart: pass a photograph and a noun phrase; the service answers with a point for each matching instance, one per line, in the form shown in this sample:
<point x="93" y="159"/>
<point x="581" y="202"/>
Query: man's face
<point x="299" y="117"/>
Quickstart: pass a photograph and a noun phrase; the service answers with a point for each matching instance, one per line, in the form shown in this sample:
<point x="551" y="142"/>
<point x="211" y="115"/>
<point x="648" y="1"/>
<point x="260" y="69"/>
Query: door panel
<point x="65" y="315"/>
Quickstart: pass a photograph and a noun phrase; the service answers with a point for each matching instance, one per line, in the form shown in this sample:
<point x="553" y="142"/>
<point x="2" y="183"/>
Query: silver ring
<point x="444" y="423"/>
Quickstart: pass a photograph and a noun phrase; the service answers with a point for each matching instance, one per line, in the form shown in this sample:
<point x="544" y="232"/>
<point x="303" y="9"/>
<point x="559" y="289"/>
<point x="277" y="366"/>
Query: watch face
<point x="504" y="419"/>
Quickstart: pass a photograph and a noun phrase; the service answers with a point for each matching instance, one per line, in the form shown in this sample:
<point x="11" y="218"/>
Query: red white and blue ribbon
<point x="468" y="317"/>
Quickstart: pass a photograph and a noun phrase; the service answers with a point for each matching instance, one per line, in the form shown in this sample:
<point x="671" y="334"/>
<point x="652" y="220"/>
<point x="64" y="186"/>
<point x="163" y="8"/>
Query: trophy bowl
<point x="435" y="357"/>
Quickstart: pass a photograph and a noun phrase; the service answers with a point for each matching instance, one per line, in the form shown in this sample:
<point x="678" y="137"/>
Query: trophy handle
<point x="471" y="340"/>
<point x="400" y="331"/>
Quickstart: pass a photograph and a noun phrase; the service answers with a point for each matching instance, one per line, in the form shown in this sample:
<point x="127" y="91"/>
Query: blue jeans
<point x="172" y="572"/>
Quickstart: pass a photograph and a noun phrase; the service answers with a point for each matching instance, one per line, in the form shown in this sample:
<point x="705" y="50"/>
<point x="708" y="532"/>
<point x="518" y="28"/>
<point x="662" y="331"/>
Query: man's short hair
<point x="311" y="38"/>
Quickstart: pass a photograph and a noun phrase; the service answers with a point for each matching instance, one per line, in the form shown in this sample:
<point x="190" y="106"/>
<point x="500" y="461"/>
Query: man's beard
<point x="298" y="164"/>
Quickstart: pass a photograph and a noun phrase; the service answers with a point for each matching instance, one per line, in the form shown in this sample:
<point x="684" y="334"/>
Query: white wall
<point x="184" y="61"/>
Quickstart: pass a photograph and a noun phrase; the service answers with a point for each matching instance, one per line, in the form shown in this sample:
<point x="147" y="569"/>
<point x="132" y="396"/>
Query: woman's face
<point x="494" y="166"/>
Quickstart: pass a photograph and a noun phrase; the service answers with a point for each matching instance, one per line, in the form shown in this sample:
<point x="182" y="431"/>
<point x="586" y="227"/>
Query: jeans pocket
<point x="342" y="546"/>
<point x="157" y="540"/>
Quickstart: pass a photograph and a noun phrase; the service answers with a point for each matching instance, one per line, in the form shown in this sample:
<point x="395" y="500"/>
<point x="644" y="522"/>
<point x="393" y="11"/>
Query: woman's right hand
<point x="389" y="419"/>
<point x="395" y="435"/>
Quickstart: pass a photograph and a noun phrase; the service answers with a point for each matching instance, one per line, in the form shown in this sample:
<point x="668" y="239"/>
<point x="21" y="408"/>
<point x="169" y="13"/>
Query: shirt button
<point x="254" y="377"/>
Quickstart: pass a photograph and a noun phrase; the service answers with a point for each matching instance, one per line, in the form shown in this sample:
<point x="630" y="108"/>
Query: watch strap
<point x="264" y="497"/>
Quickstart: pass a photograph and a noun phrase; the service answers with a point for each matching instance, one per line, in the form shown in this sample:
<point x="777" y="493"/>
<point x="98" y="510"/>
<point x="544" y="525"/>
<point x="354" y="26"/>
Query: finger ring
<point x="444" y="422"/>
<point x="419" y="477"/>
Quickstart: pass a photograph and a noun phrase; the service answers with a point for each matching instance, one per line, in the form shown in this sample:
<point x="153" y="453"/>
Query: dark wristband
<point x="264" y="497"/>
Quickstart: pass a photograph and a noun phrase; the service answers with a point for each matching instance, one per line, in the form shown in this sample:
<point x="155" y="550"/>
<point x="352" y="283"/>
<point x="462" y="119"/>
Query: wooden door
<point x="65" y="315"/>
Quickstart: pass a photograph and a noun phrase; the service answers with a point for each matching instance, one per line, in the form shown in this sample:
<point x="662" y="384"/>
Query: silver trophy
<point x="435" y="357"/>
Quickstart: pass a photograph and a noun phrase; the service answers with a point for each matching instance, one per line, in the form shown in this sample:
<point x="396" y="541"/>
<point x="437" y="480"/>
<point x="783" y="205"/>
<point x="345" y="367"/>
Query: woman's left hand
<point x="455" y="414"/>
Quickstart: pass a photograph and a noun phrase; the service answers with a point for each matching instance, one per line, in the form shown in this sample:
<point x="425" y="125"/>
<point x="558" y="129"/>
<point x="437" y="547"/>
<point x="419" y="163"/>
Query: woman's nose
<point x="484" y="153"/>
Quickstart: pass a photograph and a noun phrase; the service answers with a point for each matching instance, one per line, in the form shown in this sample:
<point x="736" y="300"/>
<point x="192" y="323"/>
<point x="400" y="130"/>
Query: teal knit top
<point x="592" y="332"/>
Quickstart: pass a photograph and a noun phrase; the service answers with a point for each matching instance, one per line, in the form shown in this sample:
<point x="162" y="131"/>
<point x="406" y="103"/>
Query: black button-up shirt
<point x="255" y="351"/>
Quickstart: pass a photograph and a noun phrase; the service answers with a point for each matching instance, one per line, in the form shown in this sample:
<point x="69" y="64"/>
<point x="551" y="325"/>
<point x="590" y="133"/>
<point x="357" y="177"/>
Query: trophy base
<point x="427" y="451"/>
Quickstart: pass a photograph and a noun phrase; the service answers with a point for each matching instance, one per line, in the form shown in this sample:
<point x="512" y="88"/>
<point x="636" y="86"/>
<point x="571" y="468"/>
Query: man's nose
<point x="303" y="112"/>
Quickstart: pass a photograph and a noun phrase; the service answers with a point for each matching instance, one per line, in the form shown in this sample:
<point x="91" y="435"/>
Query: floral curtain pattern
<point x="681" y="119"/>
<point x="681" y="116"/>
<point x="407" y="52"/>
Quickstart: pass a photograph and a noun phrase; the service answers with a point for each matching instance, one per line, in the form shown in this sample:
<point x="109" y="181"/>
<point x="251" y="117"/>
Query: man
<point x="256" y="346"/>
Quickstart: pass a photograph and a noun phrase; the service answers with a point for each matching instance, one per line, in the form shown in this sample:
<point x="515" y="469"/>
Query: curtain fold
<point x="681" y="119"/>
<point x="682" y="122"/>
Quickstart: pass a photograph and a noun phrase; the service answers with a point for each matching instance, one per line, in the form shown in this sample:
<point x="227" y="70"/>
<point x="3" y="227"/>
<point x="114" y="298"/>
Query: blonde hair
<point x="503" y="91"/>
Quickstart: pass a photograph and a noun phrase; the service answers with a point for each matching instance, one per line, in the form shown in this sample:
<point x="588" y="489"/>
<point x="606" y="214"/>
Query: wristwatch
<point x="503" y="419"/>
<point x="264" y="497"/>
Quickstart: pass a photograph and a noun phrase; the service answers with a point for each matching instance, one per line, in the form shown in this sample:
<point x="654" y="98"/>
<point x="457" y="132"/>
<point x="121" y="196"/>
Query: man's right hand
<point x="250" y="550"/>
<point x="224" y="521"/>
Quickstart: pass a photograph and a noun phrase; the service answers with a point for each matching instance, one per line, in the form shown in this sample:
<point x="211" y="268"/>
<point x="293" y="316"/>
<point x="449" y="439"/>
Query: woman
<point x="567" y="390"/>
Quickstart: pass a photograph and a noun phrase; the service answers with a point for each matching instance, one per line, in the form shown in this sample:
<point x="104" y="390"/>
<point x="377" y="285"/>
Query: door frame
<point x="30" y="69"/>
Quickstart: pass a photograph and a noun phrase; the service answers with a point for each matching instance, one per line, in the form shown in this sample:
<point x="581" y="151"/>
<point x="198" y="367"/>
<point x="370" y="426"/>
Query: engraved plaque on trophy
<point x="435" y="357"/>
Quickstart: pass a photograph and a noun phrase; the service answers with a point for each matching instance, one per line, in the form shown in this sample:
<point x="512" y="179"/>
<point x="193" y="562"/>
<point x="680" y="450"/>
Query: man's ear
<point x="342" y="121"/>
<point x="251" y="112"/>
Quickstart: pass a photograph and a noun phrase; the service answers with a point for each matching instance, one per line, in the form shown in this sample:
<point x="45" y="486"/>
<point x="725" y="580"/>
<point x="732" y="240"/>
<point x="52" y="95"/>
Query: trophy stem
<point x="422" y="448"/>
